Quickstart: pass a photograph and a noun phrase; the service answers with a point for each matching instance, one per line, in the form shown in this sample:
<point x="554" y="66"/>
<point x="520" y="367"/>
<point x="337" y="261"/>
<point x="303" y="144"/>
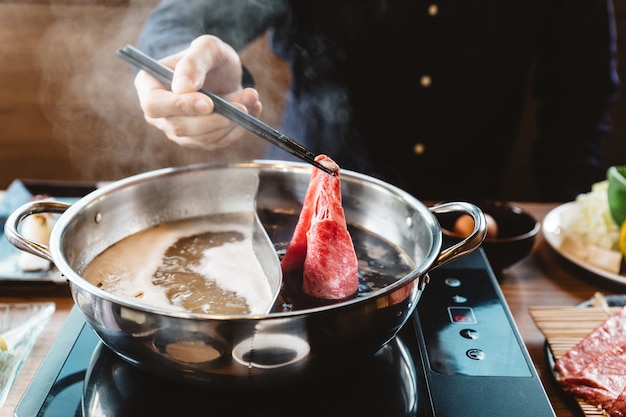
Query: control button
<point x="452" y="282"/>
<point x="461" y="315"/>
<point x="475" y="354"/>
<point x="459" y="299"/>
<point x="469" y="334"/>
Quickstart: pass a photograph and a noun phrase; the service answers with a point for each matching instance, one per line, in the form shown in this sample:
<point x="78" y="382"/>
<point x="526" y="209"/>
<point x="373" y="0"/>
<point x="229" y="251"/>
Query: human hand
<point x="185" y="115"/>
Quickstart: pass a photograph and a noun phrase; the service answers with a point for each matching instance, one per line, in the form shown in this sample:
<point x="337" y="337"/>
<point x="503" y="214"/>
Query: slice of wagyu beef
<point x="321" y="245"/>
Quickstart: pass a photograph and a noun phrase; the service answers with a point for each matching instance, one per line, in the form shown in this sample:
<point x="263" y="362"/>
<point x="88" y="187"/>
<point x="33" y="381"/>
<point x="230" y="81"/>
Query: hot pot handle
<point x="471" y="242"/>
<point x="11" y="227"/>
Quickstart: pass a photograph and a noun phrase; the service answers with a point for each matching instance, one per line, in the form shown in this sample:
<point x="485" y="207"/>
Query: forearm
<point x="172" y="26"/>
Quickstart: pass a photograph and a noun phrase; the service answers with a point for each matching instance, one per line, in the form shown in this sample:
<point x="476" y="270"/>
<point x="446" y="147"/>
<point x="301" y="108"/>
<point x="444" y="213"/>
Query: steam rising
<point x="88" y="95"/>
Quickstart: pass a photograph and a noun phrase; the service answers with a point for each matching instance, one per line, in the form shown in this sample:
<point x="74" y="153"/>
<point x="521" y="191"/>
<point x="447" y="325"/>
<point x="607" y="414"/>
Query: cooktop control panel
<point x="466" y="328"/>
<point x="470" y="344"/>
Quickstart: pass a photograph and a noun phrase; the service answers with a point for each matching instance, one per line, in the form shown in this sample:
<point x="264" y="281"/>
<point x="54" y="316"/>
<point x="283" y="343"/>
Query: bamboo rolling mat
<point x="564" y="327"/>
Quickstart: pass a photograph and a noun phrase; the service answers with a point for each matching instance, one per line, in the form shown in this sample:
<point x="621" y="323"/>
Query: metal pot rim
<point x="75" y="279"/>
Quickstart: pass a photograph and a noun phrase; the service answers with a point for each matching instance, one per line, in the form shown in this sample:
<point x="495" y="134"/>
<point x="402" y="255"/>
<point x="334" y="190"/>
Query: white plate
<point x="555" y="235"/>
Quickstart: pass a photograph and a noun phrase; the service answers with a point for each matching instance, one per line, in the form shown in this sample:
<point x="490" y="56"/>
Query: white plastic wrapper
<point x="36" y="227"/>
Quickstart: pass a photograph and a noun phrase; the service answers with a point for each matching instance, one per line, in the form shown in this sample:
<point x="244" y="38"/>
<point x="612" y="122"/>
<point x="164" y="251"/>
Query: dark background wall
<point x="519" y="181"/>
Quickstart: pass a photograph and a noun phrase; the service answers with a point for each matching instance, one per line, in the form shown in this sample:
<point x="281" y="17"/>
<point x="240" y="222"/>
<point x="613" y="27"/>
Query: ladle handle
<point x="11" y="227"/>
<point x="467" y="245"/>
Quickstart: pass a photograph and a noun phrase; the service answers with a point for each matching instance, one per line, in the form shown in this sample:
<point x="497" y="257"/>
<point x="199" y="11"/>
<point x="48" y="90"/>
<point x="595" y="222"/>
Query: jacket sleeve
<point x="173" y="24"/>
<point x="575" y="83"/>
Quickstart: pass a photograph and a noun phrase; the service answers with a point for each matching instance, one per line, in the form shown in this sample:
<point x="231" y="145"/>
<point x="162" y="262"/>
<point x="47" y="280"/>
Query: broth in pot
<point x="208" y="265"/>
<point x="202" y="265"/>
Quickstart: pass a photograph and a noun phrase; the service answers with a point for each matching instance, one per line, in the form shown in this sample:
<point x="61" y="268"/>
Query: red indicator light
<point x="463" y="315"/>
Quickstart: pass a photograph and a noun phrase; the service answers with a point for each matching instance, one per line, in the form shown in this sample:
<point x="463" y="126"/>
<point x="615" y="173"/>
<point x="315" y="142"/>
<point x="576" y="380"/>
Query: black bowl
<point x="517" y="232"/>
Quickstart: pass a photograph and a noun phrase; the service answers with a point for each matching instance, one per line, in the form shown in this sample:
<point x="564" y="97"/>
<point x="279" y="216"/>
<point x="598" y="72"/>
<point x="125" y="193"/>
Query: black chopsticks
<point x="164" y="74"/>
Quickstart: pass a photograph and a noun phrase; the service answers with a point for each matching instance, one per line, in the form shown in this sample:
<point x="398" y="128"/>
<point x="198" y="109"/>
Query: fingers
<point x="207" y="130"/>
<point x="208" y="62"/>
<point x="185" y="115"/>
<point x="216" y="137"/>
<point x="249" y="99"/>
<point x="159" y="103"/>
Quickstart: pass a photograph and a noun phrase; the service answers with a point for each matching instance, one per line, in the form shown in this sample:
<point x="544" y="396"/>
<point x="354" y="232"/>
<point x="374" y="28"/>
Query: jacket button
<point x="419" y="149"/>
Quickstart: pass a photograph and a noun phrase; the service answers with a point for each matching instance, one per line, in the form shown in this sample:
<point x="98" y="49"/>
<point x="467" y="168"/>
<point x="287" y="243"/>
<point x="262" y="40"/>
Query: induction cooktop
<point x="460" y="355"/>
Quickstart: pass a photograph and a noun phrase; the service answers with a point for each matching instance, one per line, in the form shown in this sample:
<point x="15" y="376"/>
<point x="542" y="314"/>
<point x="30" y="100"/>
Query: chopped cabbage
<point x="592" y="221"/>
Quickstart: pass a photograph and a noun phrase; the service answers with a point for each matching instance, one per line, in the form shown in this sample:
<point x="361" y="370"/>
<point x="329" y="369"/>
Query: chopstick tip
<point x="324" y="168"/>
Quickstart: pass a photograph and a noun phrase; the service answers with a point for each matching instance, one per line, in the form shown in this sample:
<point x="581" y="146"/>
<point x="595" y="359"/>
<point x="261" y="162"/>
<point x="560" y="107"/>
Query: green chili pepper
<point x="616" y="193"/>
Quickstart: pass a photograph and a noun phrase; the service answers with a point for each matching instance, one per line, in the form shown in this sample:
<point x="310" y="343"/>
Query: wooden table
<point x="542" y="279"/>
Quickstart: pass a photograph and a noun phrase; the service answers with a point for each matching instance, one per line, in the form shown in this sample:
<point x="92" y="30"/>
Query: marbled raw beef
<point x="595" y="368"/>
<point x="321" y="245"/>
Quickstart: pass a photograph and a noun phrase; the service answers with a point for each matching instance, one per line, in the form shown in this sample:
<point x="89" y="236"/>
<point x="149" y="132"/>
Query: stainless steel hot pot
<point x="242" y="351"/>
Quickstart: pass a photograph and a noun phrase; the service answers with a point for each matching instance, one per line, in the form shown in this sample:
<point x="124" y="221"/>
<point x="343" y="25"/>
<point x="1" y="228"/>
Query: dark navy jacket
<point x="428" y="95"/>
